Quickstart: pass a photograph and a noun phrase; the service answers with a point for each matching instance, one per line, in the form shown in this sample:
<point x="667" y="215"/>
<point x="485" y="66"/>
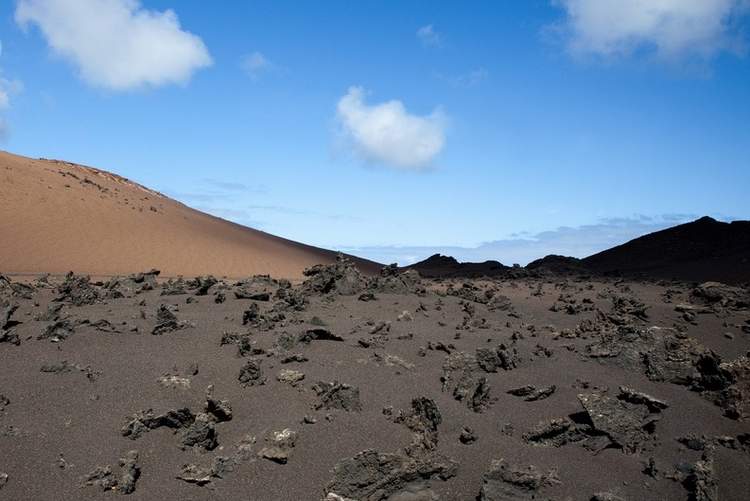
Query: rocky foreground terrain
<point x="392" y="387"/>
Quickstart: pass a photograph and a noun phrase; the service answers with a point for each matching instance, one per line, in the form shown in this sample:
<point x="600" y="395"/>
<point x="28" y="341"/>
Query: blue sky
<point x="493" y="130"/>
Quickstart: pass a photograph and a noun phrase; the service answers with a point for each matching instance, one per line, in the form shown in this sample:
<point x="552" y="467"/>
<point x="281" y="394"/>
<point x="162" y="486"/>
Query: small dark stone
<point x="251" y="373"/>
<point x="467" y="436"/>
<point x="130" y="472"/>
<point x="336" y="395"/>
<point x="201" y="433"/>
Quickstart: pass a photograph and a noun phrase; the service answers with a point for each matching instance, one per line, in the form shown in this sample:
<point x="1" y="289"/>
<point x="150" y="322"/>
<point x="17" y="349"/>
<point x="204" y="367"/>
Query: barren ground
<point x="648" y="384"/>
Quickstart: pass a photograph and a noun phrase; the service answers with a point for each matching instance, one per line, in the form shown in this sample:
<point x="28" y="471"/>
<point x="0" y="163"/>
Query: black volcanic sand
<point x="642" y="412"/>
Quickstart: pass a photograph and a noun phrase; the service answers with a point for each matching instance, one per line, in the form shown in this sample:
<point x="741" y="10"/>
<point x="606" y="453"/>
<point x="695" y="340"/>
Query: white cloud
<point x="117" y="44"/>
<point x="256" y="63"/>
<point x="429" y="37"/>
<point x="671" y="28"/>
<point x="388" y="133"/>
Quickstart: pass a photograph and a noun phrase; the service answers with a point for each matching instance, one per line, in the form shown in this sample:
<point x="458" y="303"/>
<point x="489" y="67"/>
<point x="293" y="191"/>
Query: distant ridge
<point x="557" y="264"/>
<point x="439" y="266"/>
<point x="704" y="249"/>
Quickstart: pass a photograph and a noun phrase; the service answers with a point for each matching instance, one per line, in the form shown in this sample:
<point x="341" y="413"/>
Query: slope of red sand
<point x="57" y="216"/>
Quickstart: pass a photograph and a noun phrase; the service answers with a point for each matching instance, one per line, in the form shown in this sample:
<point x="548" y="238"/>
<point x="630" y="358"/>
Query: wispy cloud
<point x="8" y="87"/>
<point x="210" y="190"/>
<point x="670" y="28"/>
<point x="230" y="201"/>
<point x="469" y="79"/>
<point x="580" y="241"/>
<point x="117" y="44"/>
<point x="429" y="37"/>
<point x="256" y="64"/>
<point x="282" y="209"/>
<point x="232" y="186"/>
<point x="238" y="216"/>
<point x="387" y="133"/>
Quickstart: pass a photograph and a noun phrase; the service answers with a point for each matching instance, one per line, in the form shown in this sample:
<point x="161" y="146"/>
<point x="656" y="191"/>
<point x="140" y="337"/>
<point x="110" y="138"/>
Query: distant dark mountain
<point x="557" y="264"/>
<point x="439" y="266"/>
<point x="701" y="250"/>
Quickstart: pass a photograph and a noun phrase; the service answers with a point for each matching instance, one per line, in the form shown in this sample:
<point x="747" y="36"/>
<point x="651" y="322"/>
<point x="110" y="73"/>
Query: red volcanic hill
<point x="58" y="216"/>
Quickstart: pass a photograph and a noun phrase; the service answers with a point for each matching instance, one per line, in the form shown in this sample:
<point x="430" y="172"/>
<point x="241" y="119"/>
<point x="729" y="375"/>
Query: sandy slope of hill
<point x="56" y="216"/>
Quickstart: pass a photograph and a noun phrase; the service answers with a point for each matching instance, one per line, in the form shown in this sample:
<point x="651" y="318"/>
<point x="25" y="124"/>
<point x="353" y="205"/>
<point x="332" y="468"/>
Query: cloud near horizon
<point x="670" y="28"/>
<point x="581" y="241"/>
<point x="387" y="133"/>
<point x="117" y="44"/>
